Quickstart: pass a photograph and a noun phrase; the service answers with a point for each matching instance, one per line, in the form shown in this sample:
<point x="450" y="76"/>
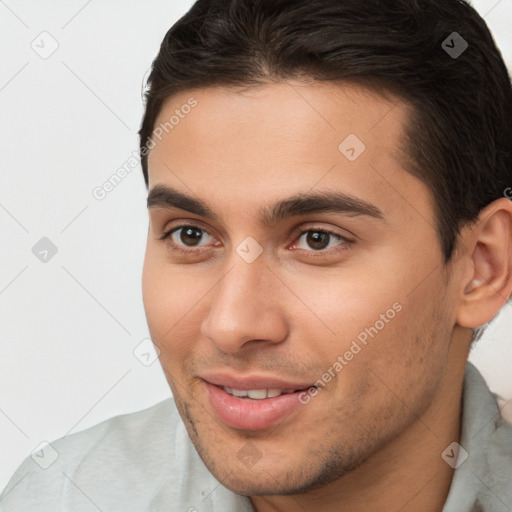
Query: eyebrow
<point x="162" y="196"/>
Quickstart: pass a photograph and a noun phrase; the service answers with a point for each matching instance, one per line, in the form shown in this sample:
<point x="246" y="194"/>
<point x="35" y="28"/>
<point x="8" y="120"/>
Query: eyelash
<point x="312" y="253"/>
<point x="177" y="248"/>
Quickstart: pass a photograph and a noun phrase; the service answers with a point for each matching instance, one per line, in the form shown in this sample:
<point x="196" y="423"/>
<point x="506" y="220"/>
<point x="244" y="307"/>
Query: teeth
<point x="257" y="394"/>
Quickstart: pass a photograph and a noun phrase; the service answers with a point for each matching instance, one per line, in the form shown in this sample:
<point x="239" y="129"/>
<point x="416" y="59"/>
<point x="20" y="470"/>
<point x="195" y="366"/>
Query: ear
<point x="487" y="281"/>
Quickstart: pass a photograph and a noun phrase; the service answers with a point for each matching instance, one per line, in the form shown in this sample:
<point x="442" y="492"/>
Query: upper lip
<point x="247" y="382"/>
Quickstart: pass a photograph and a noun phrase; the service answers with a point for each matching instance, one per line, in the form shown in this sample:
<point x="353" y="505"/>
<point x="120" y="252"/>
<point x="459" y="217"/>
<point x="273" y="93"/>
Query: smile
<point x="257" y="394"/>
<point x="253" y="402"/>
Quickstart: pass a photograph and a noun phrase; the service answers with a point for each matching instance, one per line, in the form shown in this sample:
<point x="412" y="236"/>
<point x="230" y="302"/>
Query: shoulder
<point x="123" y="439"/>
<point x="122" y="452"/>
<point x="483" y="474"/>
<point x="139" y="461"/>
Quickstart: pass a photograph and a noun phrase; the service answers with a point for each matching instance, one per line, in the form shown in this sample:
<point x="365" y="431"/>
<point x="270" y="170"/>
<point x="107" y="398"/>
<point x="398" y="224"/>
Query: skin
<point x="373" y="436"/>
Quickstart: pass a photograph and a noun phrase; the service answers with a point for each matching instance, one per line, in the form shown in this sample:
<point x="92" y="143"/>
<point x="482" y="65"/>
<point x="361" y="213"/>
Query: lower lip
<point x="250" y="414"/>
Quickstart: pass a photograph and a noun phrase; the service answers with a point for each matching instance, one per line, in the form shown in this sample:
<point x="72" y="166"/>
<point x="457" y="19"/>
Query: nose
<point x="245" y="309"/>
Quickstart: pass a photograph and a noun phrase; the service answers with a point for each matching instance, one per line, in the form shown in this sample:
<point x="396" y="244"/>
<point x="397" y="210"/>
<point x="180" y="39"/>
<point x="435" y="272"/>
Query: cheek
<point x="173" y="299"/>
<point x="404" y="362"/>
<point x="341" y="306"/>
<point x="164" y="300"/>
<point x="375" y="325"/>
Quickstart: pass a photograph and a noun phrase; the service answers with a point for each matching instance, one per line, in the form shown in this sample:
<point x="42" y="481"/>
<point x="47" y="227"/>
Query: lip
<point x="248" y="414"/>
<point x="253" y="382"/>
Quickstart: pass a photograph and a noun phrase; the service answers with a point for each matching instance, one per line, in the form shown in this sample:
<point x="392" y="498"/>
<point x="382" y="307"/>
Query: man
<point x="329" y="232"/>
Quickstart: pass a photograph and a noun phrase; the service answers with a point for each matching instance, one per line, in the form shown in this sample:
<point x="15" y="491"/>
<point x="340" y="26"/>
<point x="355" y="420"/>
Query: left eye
<point x="190" y="236"/>
<point x="319" y="240"/>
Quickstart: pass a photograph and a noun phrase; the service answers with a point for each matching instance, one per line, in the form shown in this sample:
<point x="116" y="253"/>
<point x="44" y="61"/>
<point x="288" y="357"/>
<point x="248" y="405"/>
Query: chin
<point x="260" y="483"/>
<point x="268" y="477"/>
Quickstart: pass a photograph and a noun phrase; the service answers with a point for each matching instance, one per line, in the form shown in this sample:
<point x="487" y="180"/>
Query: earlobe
<point x="487" y="283"/>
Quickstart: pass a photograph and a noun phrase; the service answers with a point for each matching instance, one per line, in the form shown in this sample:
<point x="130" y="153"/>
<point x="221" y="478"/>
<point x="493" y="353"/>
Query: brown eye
<point x="189" y="236"/>
<point x="318" y="240"/>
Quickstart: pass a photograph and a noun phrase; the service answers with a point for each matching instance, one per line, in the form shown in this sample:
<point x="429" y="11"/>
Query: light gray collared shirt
<point x="145" y="461"/>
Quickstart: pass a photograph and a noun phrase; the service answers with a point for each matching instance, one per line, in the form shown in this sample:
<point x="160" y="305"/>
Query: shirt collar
<point x="486" y="437"/>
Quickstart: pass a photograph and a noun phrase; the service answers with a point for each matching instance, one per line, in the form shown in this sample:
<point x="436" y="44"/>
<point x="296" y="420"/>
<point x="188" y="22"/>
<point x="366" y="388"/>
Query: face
<point x="291" y="264"/>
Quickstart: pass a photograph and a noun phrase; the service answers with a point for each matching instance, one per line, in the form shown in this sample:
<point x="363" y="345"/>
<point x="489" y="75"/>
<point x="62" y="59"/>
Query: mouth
<point x="259" y="394"/>
<point x="247" y="404"/>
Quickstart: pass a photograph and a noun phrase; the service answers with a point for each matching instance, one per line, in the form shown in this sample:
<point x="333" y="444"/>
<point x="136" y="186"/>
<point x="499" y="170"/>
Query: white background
<point x="69" y="326"/>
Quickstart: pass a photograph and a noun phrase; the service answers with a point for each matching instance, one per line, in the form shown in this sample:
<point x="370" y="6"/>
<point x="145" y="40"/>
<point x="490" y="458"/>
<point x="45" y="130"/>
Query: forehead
<point x="261" y="143"/>
<point x="287" y="115"/>
<point x="281" y="120"/>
